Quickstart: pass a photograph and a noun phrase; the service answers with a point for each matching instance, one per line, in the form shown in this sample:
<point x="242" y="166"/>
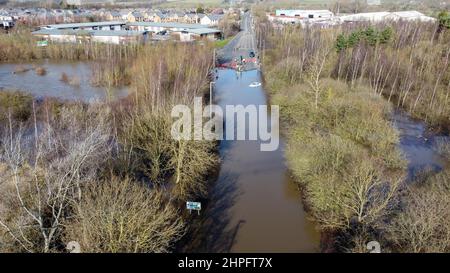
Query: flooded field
<point x="50" y="82"/>
<point x="418" y="145"/>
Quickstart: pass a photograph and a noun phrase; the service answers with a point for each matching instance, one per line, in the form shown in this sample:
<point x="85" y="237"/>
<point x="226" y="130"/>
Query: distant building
<point x="305" y="14"/>
<point x="110" y="25"/>
<point x="135" y="16"/>
<point x="322" y="18"/>
<point x="373" y="2"/>
<point x="211" y="19"/>
<point x="88" y="2"/>
<point x="6" y="21"/>
<point x="386" y="16"/>
<point x="183" y="32"/>
<point x="100" y="36"/>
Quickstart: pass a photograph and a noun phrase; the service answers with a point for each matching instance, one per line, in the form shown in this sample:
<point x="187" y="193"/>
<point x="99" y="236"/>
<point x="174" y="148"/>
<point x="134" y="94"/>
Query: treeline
<point x="410" y="69"/>
<point x="341" y="146"/>
<point x="107" y="176"/>
<point x="20" y="45"/>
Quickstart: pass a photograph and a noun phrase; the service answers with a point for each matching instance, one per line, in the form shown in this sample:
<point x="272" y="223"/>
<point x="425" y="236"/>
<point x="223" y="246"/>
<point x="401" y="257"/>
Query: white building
<point x="109" y="25"/>
<point x="185" y="32"/>
<point x="410" y="16"/>
<point x="211" y="19"/>
<point x="100" y="36"/>
<point x="387" y="16"/>
<point x="304" y="14"/>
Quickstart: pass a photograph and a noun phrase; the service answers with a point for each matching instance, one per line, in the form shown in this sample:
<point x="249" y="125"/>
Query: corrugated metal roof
<point x="81" y="25"/>
<point x="168" y="25"/>
<point x="203" y="31"/>
<point x="88" y="32"/>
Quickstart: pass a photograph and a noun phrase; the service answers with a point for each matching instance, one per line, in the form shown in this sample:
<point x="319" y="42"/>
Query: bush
<point x="423" y="224"/>
<point x="122" y="215"/>
<point x="17" y="103"/>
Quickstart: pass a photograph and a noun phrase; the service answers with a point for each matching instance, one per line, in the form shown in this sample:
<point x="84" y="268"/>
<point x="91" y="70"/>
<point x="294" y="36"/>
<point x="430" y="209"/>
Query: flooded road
<point x="253" y="206"/>
<point x="50" y="84"/>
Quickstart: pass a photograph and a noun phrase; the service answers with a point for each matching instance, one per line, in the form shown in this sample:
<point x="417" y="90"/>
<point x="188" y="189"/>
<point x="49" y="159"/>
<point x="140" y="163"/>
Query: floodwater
<point x="419" y="146"/>
<point x="254" y="206"/>
<point x="50" y="84"/>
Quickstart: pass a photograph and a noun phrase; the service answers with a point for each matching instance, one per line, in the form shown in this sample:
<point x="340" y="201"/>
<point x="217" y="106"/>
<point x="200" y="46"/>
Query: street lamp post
<point x="211" y="97"/>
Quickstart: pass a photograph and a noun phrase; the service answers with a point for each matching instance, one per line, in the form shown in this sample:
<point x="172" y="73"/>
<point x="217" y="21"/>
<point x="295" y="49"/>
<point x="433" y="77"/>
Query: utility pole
<point x="211" y="98"/>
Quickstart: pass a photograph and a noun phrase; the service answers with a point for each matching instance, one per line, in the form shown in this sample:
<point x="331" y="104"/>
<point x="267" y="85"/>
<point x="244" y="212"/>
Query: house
<point x="156" y="17"/>
<point x="211" y="19"/>
<point x="135" y="16"/>
<point x="193" y="18"/>
<point x="113" y="16"/>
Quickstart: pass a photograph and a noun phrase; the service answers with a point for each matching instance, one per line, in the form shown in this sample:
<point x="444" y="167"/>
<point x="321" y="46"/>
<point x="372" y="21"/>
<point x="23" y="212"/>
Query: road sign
<point x="42" y="43"/>
<point x="193" y="205"/>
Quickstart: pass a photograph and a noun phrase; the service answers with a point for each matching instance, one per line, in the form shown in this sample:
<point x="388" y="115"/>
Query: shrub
<point x="122" y="215"/>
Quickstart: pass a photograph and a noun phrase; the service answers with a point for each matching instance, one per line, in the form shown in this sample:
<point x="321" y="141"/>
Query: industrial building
<point x="119" y="32"/>
<point x="102" y="36"/>
<point x="387" y="16"/>
<point x="183" y="32"/>
<point x="305" y="14"/>
<point x="110" y="25"/>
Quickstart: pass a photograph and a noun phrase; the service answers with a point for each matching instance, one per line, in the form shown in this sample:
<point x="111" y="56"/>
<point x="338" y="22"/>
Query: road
<point x="242" y="44"/>
<point x="252" y="206"/>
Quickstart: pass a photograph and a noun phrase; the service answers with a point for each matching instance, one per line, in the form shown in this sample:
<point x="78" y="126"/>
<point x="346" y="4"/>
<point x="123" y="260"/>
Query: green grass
<point x="222" y="43"/>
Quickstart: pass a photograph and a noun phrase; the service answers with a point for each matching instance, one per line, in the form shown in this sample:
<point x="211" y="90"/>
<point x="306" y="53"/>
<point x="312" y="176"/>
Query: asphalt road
<point x="241" y="45"/>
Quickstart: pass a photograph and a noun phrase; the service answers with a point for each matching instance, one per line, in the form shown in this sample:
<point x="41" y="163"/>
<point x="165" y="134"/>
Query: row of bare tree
<point x="107" y="176"/>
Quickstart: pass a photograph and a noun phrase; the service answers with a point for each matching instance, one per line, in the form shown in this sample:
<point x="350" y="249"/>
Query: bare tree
<point x="122" y="215"/>
<point x="46" y="170"/>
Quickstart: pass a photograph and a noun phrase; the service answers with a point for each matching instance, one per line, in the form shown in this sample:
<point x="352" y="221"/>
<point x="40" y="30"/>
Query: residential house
<point x="135" y="16"/>
<point x="211" y="19"/>
<point x="113" y="16"/>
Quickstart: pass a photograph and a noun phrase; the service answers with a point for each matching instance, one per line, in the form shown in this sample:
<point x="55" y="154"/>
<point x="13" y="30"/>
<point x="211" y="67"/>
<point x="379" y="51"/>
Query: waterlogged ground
<point x="50" y="84"/>
<point x="254" y="205"/>
<point x="419" y="146"/>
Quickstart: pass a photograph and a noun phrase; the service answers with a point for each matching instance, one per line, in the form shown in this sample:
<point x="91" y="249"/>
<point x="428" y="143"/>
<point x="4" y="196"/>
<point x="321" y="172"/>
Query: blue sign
<point x="193" y="205"/>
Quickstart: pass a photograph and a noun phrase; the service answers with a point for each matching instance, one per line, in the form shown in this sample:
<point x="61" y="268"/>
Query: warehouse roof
<point x="168" y="25"/>
<point x="201" y="31"/>
<point x="88" y="32"/>
<point x="81" y="25"/>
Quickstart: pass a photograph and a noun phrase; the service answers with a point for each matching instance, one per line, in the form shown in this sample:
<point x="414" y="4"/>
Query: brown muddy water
<point x="253" y="205"/>
<point x="50" y="84"/>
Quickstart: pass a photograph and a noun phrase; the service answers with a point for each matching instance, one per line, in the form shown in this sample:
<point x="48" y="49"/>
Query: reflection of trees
<point x="211" y="231"/>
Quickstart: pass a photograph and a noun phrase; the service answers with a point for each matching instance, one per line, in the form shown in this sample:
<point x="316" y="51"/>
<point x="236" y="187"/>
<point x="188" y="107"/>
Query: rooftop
<point x="80" y="25"/>
<point x="88" y="32"/>
<point x="168" y="25"/>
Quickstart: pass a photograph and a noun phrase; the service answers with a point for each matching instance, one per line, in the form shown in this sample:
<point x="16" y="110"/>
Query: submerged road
<point x="253" y="206"/>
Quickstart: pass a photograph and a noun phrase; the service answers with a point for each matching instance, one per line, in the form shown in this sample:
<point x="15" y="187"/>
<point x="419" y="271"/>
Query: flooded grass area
<point x="62" y="80"/>
<point x="420" y="147"/>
